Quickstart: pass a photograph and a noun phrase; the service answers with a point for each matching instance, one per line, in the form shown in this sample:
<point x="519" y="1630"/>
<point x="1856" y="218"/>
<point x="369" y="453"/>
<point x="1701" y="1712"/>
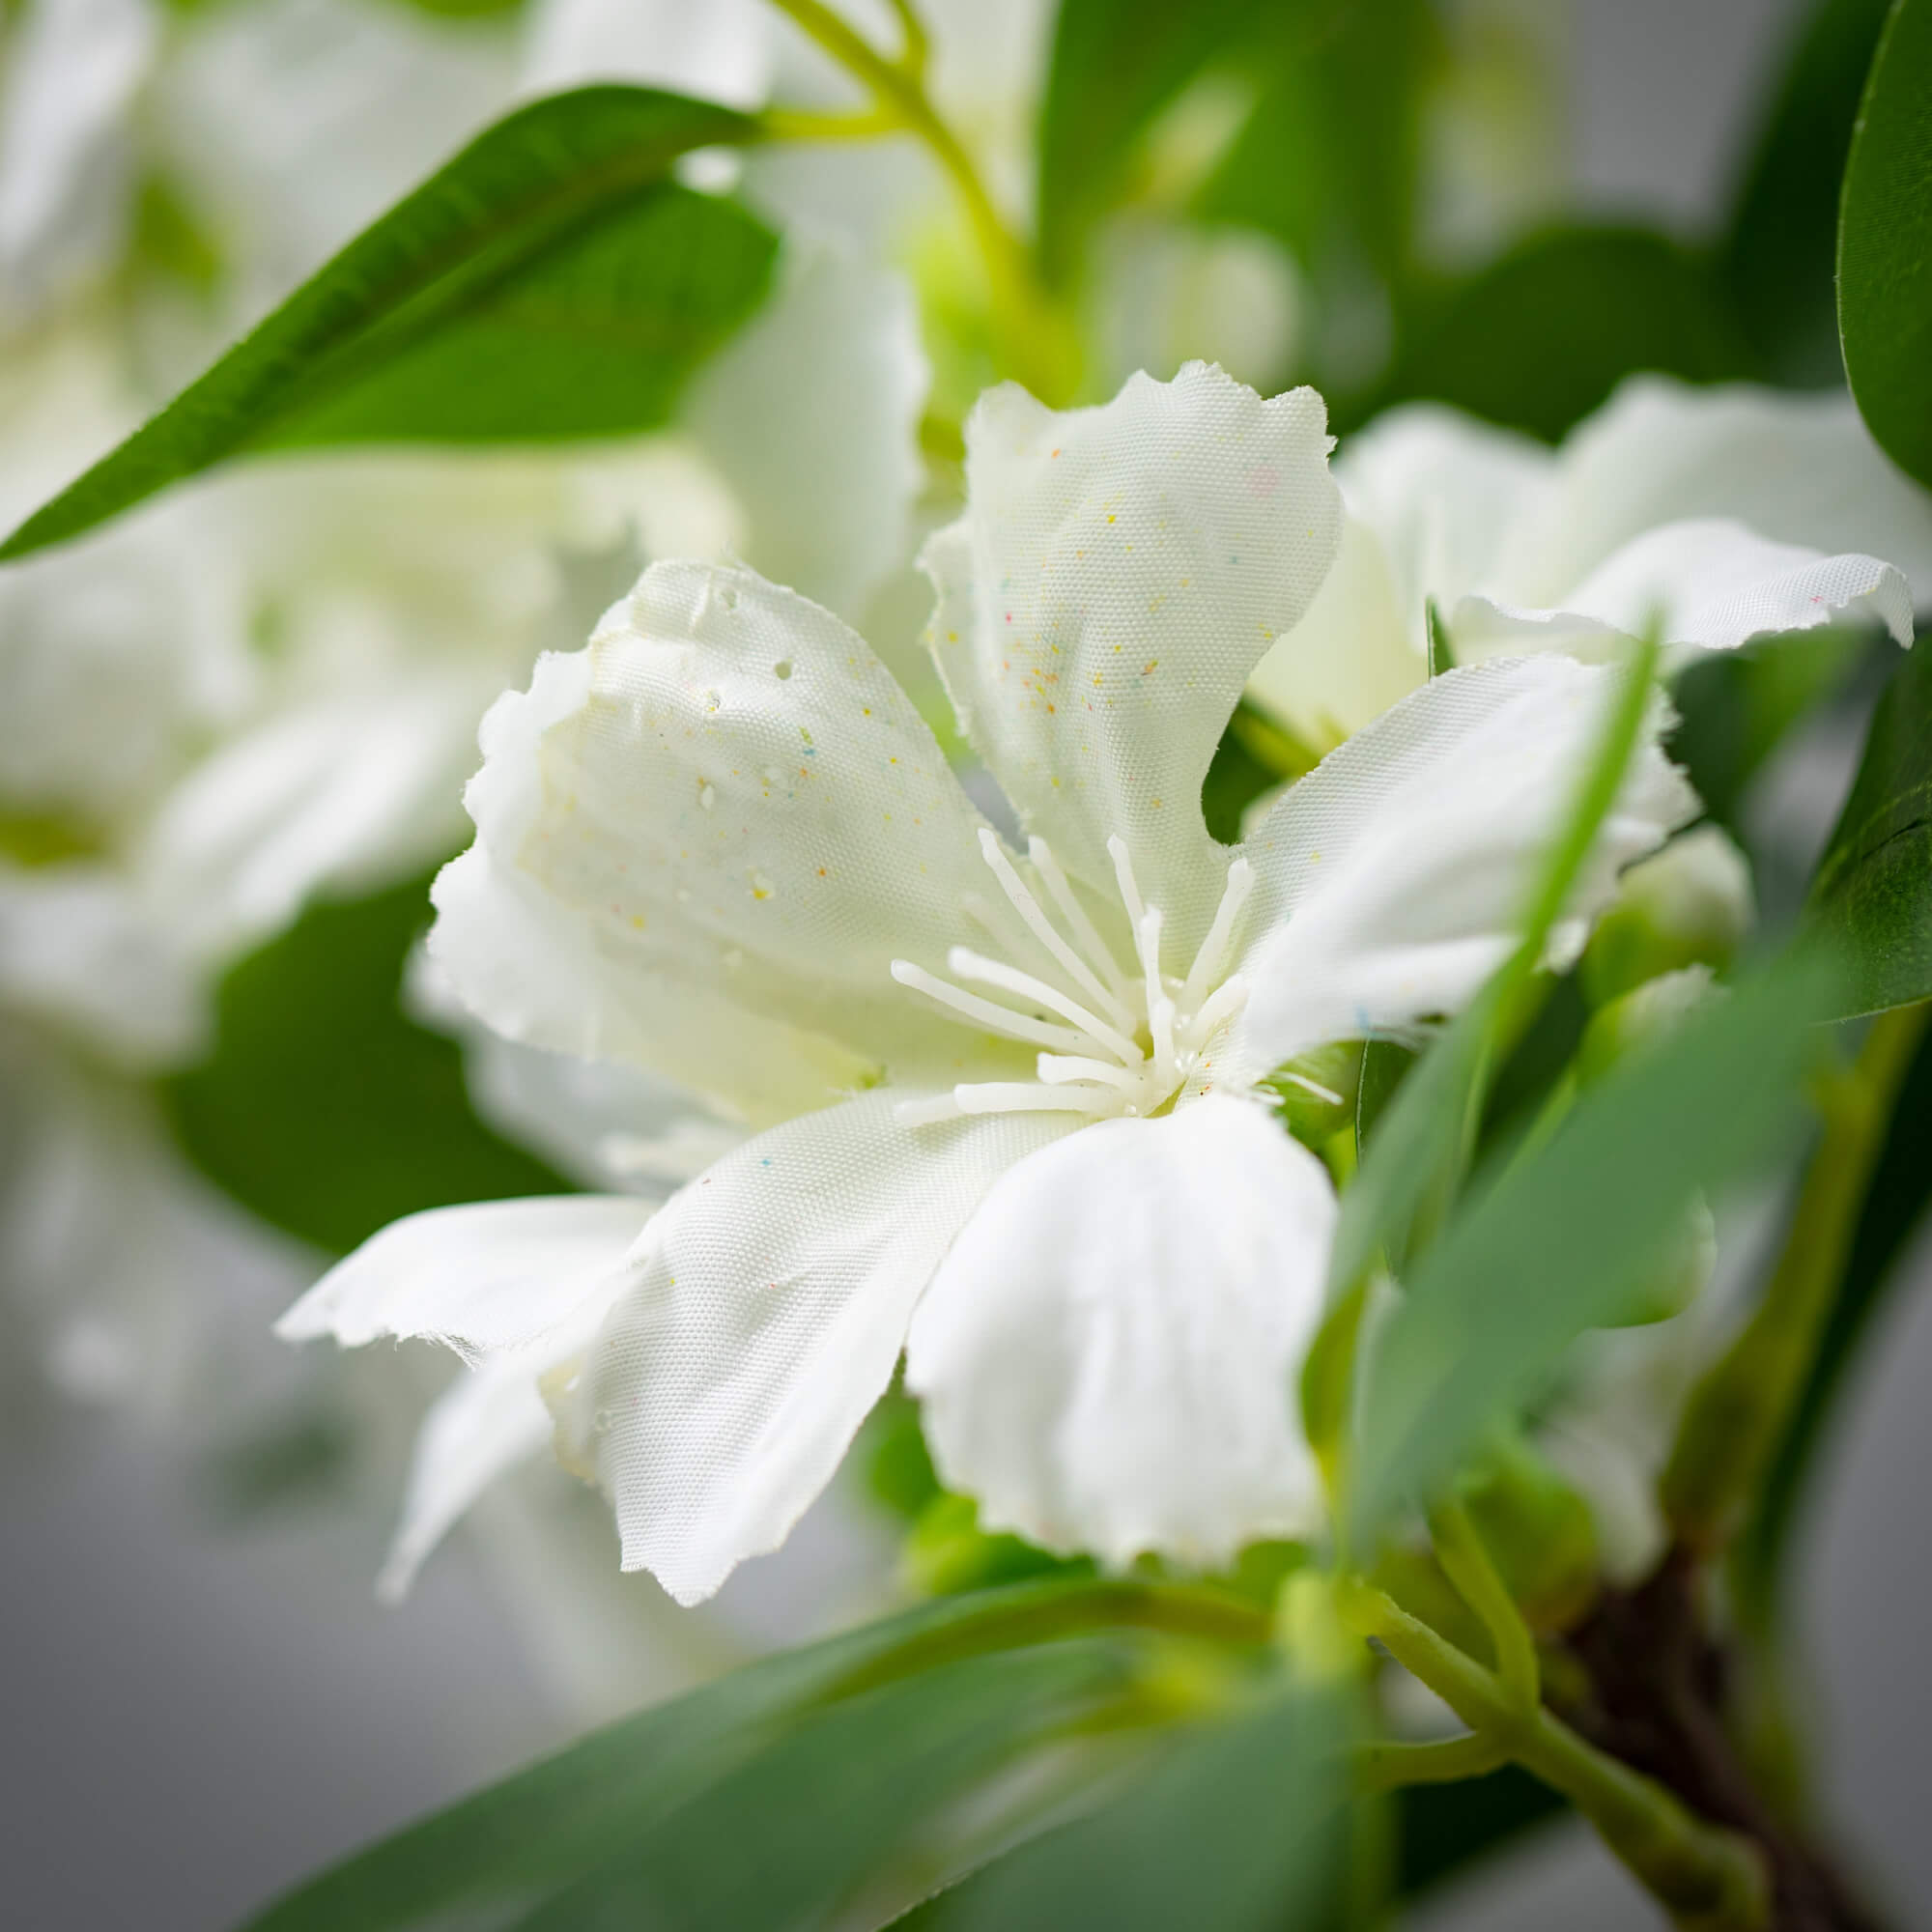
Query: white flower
<point x="1016" y="1134"/>
<point x="1718" y="514"/>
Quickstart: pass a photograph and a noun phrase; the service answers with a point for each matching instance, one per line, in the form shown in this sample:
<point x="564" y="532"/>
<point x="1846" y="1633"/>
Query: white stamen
<point x="926" y="1113"/>
<point x="1147" y="937"/>
<point x="1041" y="927"/>
<point x="983" y="1013"/>
<point x="1123" y="877"/>
<point x="1075" y="915"/>
<point x="975" y="966"/>
<point x="1160" y="1026"/>
<point x="1028" y="1097"/>
<point x="1207" y="962"/>
<point x="1057" y="1069"/>
<point x="1222" y="1005"/>
<point x="1314" y="1087"/>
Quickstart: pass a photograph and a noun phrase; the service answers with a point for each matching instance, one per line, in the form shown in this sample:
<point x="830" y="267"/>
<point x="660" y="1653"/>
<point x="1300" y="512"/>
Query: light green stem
<point x="1466" y="1563"/>
<point x="1709" y="1878"/>
<point x="1033" y="335"/>
<point x="1738" y="1413"/>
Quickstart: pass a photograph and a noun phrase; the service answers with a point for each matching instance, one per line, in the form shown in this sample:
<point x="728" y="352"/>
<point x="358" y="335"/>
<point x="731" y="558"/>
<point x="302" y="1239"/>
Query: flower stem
<point x="1466" y="1564"/>
<point x="1035" y="341"/>
<point x="1710" y="1878"/>
<point x="1738" y="1413"/>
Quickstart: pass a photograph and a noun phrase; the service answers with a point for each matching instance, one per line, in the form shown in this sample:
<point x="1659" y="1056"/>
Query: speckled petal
<point x="1117" y="574"/>
<point x="702" y="844"/>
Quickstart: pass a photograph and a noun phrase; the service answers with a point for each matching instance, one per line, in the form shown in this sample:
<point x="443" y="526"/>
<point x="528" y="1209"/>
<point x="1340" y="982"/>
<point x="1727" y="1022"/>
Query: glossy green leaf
<point x="1560" y="1240"/>
<point x="1242" y="1829"/>
<point x="321" y="1108"/>
<point x="1873" y="891"/>
<point x="778" y="1842"/>
<point x="1540" y="340"/>
<point x="548" y="281"/>
<point x="1885" y="244"/>
<point x="1779" y="256"/>
<point x="525" y="1840"/>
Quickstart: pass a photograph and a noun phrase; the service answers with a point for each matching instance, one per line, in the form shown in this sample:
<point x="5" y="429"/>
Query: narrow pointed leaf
<point x="1561" y="1240"/>
<point x="549" y="280"/>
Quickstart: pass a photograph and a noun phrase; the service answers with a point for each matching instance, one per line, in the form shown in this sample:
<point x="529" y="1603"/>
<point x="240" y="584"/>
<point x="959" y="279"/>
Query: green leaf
<point x="1559" y="1240"/>
<point x="1873" y="891"/>
<point x="1894" y="1208"/>
<point x="778" y="1840"/>
<point x="1778" y="257"/>
<point x="1115" y="64"/>
<point x="321" y="1108"/>
<point x="1241" y="1829"/>
<point x="1537" y="341"/>
<point x="526" y="1838"/>
<point x="549" y="280"/>
<point x="1885" y="244"/>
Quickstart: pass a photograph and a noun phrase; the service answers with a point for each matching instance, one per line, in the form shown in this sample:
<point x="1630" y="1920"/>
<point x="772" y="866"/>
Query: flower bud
<point x="1639" y="1019"/>
<point x="1691" y="905"/>
<point x="1316" y="1091"/>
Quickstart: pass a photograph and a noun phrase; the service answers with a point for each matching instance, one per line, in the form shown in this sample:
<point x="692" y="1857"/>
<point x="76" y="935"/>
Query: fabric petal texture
<point x="1107" y="1357"/>
<point x="1117" y="574"/>
<point x="1391" y="879"/>
<point x="480" y="1277"/>
<point x="765" y="1312"/>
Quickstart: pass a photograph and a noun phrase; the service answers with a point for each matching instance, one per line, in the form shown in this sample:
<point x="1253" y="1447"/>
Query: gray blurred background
<point x="192" y="1717"/>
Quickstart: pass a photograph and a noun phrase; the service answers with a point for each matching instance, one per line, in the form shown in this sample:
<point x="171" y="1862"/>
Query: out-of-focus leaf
<point x="1885" y="244"/>
<point x="549" y="280"/>
<point x="1873" y="891"/>
<point x="525" y="1840"/>
<point x="1540" y="340"/>
<point x="1560" y="1240"/>
<point x="1327" y="162"/>
<point x="1734" y="707"/>
<point x="1242" y="1829"/>
<point x="321" y="1108"/>
<point x="1778" y="257"/>
<point x="1114" y="66"/>
<point x="774" y="1843"/>
<point x="1894" y="1207"/>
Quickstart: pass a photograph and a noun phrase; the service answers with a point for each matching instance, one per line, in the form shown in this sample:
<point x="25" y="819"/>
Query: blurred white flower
<point x="1717" y="514"/>
<point x="720" y="845"/>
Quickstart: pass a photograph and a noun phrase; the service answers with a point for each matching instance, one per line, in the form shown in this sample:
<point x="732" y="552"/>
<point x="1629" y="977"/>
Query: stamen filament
<point x="966" y="965"/>
<point x="1041" y="927"/>
<point x="1060" y="1069"/>
<point x="983" y="1013"/>
<point x="1075" y="915"/>
<point x="1207" y="962"/>
<point x="1222" y="1005"/>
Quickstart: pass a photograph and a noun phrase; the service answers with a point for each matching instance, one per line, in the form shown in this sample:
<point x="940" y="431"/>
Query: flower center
<point x="1117" y="1042"/>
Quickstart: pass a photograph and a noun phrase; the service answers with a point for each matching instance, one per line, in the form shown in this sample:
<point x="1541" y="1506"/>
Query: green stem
<point x="1031" y="333"/>
<point x="1466" y="1564"/>
<point x="1711" y="1879"/>
<point x="1384" y="1767"/>
<point x="1738" y="1413"/>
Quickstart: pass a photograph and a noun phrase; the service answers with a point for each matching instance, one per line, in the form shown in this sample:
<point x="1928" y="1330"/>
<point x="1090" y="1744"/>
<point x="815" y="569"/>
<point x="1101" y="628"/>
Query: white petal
<point x="1117" y="574"/>
<point x="716" y="830"/>
<point x="77" y="947"/>
<point x="482" y="1276"/>
<point x="720" y="52"/>
<point x="73" y="68"/>
<point x="767" y="1307"/>
<point x="1443" y="493"/>
<point x="1350" y="658"/>
<point x="1797" y="469"/>
<point x="1107" y="1358"/>
<point x="811" y="414"/>
<point x="490" y="1419"/>
<point x="1705" y="582"/>
<point x="1391" y="879"/>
